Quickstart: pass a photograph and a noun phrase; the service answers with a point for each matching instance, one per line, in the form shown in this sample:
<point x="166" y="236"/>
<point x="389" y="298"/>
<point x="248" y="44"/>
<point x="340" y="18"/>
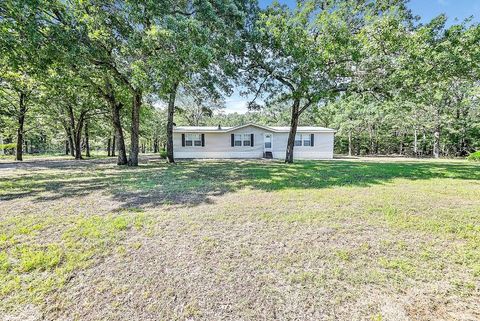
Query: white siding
<point x="218" y="145"/>
<point x="322" y="148"/>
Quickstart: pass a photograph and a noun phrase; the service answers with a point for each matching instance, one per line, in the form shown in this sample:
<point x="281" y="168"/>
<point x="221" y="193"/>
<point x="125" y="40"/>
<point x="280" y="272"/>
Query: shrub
<point x="163" y="153"/>
<point x="474" y="156"/>
<point x="8" y="146"/>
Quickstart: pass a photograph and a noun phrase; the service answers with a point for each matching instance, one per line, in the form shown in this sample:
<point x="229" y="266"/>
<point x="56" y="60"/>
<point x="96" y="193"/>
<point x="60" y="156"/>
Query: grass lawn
<point x="240" y="240"/>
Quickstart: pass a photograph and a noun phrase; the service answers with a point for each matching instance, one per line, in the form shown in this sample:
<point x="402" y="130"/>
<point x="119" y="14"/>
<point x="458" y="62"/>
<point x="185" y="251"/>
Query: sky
<point x="456" y="10"/>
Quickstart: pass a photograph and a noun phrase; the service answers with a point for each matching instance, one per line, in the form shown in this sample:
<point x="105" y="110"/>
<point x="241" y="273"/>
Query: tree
<point x="195" y="107"/>
<point x="104" y="35"/>
<point x="73" y="104"/>
<point x="108" y="92"/>
<point x="16" y="94"/>
<point x="438" y="62"/>
<point x="300" y="56"/>
<point x="86" y="69"/>
<point x="194" y="44"/>
<point x="18" y="60"/>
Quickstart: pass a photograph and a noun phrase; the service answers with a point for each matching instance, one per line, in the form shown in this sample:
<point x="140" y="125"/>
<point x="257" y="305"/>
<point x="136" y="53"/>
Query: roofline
<point x="251" y="124"/>
<point x="325" y="130"/>
<point x="199" y="130"/>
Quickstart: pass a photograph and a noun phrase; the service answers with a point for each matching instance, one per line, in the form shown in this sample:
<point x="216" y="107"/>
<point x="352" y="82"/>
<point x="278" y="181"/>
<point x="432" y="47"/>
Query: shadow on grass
<point x="191" y="183"/>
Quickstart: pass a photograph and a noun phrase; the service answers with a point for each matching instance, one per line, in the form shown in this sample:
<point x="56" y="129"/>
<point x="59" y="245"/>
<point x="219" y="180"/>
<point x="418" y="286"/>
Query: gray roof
<point x="276" y="129"/>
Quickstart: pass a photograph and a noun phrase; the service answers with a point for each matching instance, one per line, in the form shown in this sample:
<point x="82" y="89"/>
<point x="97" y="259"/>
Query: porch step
<point x="268" y="155"/>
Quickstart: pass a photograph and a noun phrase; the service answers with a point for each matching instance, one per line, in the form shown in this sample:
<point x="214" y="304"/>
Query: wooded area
<point x="115" y="75"/>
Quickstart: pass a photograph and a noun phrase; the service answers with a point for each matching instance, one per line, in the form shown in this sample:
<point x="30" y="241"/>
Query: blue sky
<point x="428" y="9"/>
<point x="456" y="10"/>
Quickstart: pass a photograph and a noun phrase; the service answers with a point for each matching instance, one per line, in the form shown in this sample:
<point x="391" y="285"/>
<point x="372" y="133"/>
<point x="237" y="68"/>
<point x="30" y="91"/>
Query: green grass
<point x="30" y="268"/>
<point x="289" y="232"/>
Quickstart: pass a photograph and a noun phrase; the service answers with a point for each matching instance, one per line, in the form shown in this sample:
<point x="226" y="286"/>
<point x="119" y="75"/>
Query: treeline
<point x="116" y="75"/>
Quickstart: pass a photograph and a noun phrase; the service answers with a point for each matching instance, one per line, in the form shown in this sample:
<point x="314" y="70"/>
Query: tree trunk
<point x="400" y="146"/>
<point x="21" y="121"/>
<point x="424" y="143"/>
<point x="113" y="147"/>
<point x="109" y="143"/>
<point x="70" y="141"/>
<point x="73" y="146"/>
<point x="134" y="133"/>
<point x="462" y="139"/>
<point x="78" y="139"/>
<point x="155" y="145"/>
<point x="462" y="146"/>
<point x="293" y="131"/>
<point x="2" y="151"/>
<point x="87" y="142"/>
<point x="78" y="145"/>
<point x="372" y="143"/>
<point x="436" y="134"/>
<point x="67" y="148"/>
<point x="76" y="131"/>
<point x="415" y="142"/>
<point x="350" y="147"/>
<point x="118" y="139"/>
<point x="436" y="142"/>
<point x="171" y="109"/>
<point x="115" y="108"/>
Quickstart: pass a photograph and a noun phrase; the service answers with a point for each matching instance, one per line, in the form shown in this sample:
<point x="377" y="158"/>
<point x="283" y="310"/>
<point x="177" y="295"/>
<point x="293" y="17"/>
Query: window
<point x="193" y="140"/>
<point x="298" y="140"/>
<point x="238" y="139"/>
<point x="242" y="140"/>
<point x="306" y="139"/>
<point x="303" y="140"/>
<point x="246" y="139"/>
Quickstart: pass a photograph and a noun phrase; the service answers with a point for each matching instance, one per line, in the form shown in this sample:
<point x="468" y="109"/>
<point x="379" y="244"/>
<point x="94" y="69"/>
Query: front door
<point x="267" y="142"/>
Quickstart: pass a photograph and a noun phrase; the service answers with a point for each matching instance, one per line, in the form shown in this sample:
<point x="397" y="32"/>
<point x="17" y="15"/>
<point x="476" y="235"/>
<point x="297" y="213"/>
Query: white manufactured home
<point x="251" y="141"/>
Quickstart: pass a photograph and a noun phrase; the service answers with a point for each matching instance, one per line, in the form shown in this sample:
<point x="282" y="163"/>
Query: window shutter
<point x="251" y="140"/>
<point x="233" y="140"/>
<point x="312" y="140"/>
<point x="203" y="140"/>
<point x="183" y="140"/>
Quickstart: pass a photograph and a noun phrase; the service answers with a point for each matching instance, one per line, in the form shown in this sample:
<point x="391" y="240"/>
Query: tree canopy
<point x="117" y="75"/>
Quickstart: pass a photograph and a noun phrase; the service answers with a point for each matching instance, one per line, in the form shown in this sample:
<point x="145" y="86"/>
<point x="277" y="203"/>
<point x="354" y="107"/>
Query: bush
<point x="8" y="146"/>
<point x="474" y="156"/>
<point x="163" y="153"/>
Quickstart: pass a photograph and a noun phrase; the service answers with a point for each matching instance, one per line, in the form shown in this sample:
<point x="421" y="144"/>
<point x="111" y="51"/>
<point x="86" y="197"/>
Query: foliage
<point x="163" y="153"/>
<point x="474" y="156"/>
<point x="356" y="66"/>
<point x="7" y="146"/>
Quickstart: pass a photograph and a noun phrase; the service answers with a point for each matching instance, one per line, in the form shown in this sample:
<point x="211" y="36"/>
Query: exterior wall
<point x="322" y="149"/>
<point x="218" y="145"/>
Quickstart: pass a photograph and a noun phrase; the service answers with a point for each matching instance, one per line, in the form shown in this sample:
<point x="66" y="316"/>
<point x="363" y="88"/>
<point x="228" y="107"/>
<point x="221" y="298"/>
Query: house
<point x="251" y="141"/>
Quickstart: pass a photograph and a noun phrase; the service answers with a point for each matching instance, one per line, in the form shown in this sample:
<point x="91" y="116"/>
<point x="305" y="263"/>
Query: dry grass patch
<point x="340" y="240"/>
<point x="40" y="255"/>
